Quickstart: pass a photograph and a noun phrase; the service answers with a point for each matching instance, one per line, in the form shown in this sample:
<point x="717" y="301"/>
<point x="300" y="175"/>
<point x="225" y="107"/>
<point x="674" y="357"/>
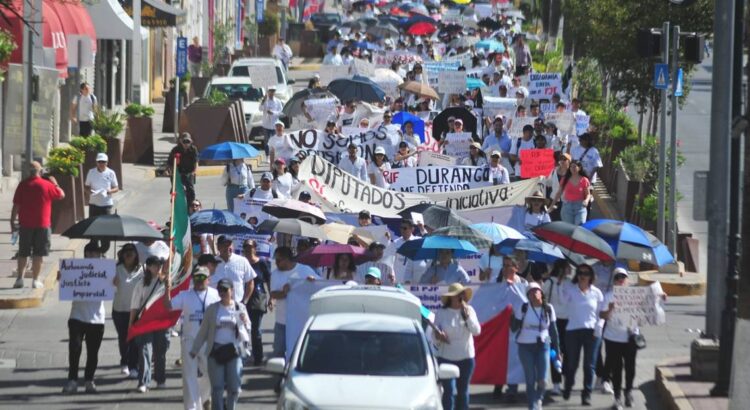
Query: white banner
<point x="262" y="75"/>
<point x="564" y="121"/>
<point x="457" y="144"/>
<point x="333" y="147"/>
<point x="363" y="68"/>
<point x="452" y="82"/>
<point x="338" y="191"/>
<point x="321" y="109"/>
<point x="637" y="306"/>
<point x="437" y="179"/>
<point x="544" y="85"/>
<point x="329" y="73"/>
<point x="427" y="158"/>
<point x="87" y="280"/>
<point x="498" y="105"/>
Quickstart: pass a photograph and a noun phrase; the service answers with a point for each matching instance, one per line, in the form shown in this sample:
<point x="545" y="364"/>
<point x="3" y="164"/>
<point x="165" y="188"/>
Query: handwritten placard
<point x="499" y="105"/>
<point x="452" y="82"/>
<point x="517" y="124"/>
<point x="637" y="306"/>
<point x="262" y="75"/>
<point x="544" y="85"/>
<point x="457" y="144"/>
<point x="321" y="109"/>
<point x="87" y="280"/>
<point x="564" y="121"/>
<point x="537" y="162"/>
<point x="333" y="72"/>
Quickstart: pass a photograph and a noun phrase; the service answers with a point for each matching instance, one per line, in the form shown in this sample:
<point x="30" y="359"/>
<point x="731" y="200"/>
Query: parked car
<point x="367" y="344"/>
<point x="283" y="85"/>
<point x="240" y="88"/>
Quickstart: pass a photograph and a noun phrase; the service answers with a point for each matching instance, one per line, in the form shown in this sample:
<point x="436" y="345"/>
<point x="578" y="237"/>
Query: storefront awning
<point x="111" y="22"/>
<point x="156" y="13"/>
<point x="75" y="20"/>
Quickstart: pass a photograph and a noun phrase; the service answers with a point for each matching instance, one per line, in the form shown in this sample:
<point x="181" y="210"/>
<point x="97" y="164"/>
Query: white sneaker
<point x="607" y="388"/>
<point x="18" y="284"/>
<point x="125" y="370"/>
<point x="142" y="388"/>
<point x="70" y="387"/>
<point x="37" y="284"/>
<point x="91" y="387"/>
<point x="617" y="405"/>
<point x="556" y="389"/>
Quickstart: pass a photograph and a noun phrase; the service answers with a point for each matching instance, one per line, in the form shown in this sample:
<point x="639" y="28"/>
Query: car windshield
<point x="363" y="353"/>
<point x="325" y="18"/>
<point x="244" y="92"/>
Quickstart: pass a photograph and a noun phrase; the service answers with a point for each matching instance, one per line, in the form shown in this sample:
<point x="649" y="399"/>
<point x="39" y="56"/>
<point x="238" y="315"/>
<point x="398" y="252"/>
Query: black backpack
<point x="273" y="193"/>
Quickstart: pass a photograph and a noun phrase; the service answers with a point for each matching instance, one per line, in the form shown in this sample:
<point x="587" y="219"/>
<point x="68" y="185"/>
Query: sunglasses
<point x="199" y="278"/>
<point x="405" y="227"/>
<point x="223" y="290"/>
<point x="101" y="162"/>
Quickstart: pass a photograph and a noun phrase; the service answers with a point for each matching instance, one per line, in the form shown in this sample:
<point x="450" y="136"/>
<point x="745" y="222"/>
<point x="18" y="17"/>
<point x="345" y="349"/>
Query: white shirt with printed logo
<point x="193" y="304"/>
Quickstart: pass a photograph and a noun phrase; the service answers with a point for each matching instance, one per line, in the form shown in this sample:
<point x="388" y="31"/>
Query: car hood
<point x="363" y="392"/>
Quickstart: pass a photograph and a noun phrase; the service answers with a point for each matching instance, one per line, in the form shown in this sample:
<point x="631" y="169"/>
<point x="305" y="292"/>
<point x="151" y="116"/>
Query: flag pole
<point x="171" y="213"/>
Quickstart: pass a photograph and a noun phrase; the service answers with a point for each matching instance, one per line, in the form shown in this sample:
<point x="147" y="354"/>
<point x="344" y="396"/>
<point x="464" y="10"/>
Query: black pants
<point x="78" y="332"/>
<point x="95" y="210"/>
<point x="617" y="353"/>
<point x="256" y="338"/>
<point x="128" y="350"/>
<point x="187" y="184"/>
<point x="561" y="324"/>
<point x="84" y="128"/>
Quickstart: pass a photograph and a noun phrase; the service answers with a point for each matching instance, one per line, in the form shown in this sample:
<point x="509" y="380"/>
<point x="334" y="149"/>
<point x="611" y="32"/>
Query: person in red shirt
<point x="32" y="204"/>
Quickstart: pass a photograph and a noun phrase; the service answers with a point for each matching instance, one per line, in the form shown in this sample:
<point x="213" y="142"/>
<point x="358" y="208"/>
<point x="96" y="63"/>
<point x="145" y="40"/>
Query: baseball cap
<point x="272" y="88"/>
<point x="458" y="121"/>
<point x="379" y="150"/>
<point x="207" y="258"/>
<point x="532" y="286"/>
<point x="278" y="123"/>
<point x="280" y="161"/>
<point x="374" y="272"/>
<point x="498" y="118"/>
<point x="376" y="244"/>
<point x="364" y="214"/>
<point x="222" y="239"/>
<point x="267" y="175"/>
<point x="101" y="157"/>
<point x="186" y="137"/>
<point x="201" y="271"/>
<point x="476" y="145"/>
<point x="225" y="284"/>
<point x="496" y="153"/>
<point x="620" y="271"/>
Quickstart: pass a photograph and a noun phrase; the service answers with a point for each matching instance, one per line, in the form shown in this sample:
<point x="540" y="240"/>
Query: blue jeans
<point x="574" y="341"/>
<point x="535" y="360"/>
<point x="231" y="192"/>
<point x="574" y="212"/>
<point x="224" y="377"/>
<point x="128" y="350"/>
<point x="279" y="340"/>
<point x="158" y="343"/>
<point x="458" y="386"/>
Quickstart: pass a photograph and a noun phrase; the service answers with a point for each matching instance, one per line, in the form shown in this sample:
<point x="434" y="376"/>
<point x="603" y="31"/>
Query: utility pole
<point x="28" y="31"/>
<point x="662" y="188"/>
<point x="672" y="232"/>
<point x="719" y="174"/>
<point x="137" y="51"/>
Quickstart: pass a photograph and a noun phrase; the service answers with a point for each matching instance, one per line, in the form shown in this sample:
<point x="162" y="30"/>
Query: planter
<point x="79" y="193"/>
<point x="114" y="152"/>
<point x="65" y="211"/>
<point x="266" y="44"/>
<point x="167" y="124"/>
<point x="138" y="147"/>
<point x="212" y="124"/>
<point x="197" y="87"/>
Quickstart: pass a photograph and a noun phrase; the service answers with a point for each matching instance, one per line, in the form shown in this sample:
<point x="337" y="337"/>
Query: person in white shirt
<point x="377" y="167"/>
<point x="333" y="57"/>
<point x="454" y="329"/>
<point x="407" y="270"/>
<point x="235" y="268"/>
<point x="405" y="158"/>
<point x="584" y="301"/>
<point x="152" y="247"/>
<point x="128" y="274"/>
<point x="278" y="146"/>
<point x="102" y="183"/>
<point x="286" y="271"/>
<point x="589" y="156"/>
<point x="238" y="179"/>
<point x="283" y="52"/>
<point x="498" y="173"/>
<point x="519" y="144"/>
<point x="552" y="287"/>
<point x="476" y="157"/>
<point x="349" y="116"/>
<point x="283" y="181"/>
<point x="271" y="107"/>
<point x="82" y="110"/>
<point x="536" y="213"/>
<point x="536" y="334"/>
<point x="377" y="252"/>
<point x="196" y="388"/>
<point x="266" y="191"/>
<point x="354" y="164"/>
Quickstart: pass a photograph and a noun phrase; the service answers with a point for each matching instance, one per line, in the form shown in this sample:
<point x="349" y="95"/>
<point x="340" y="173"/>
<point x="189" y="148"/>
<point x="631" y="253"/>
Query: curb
<point x="691" y="284"/>
<point x="306" y="67"/>
<point x="672" y="396"/>
<point x="602" y="200"/>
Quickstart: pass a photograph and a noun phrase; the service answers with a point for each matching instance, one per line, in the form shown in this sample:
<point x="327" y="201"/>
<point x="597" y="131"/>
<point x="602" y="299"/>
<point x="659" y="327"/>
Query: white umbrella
<point x="388" y="80"/>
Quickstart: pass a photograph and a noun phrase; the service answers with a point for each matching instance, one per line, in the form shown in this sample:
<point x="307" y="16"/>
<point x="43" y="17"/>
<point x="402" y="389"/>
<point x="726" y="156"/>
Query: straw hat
<point x="456" y="289"/>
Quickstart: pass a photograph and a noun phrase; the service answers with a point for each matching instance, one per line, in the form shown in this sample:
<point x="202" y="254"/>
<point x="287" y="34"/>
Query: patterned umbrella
<point x="292" y="208"/>
<point x="575" y="239"/>
<point x="496" y="232"/>
<point x="466" y="233"/>
<point x="630" y="242"/>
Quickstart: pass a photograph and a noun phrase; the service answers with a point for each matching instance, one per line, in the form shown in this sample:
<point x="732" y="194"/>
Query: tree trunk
<point x="640" y="124"/>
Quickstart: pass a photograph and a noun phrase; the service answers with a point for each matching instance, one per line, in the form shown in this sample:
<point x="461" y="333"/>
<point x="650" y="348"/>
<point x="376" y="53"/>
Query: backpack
<point x="517" y="324"/>
<point x="273" y="193"/>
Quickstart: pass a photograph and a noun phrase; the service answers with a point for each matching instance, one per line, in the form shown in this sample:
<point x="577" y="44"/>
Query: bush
<point x="93" y="143"/>
<point x="217" y="98"/>
<point x="7" y="45"/>
<point x="271" y="24"/>
<point x="108" y="124"/>
<point x="64" y="160"/>
<point x="137" y="110"/>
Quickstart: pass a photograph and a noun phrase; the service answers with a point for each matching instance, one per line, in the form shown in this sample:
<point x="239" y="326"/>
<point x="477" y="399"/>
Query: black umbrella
<point x="356" y="89"/>
<point x="113" y="228"/>
<point x="490" y="23"/>
<point x="440" y="123"/>
<point x="435" y="216"/>
<point x="293" y="107"/>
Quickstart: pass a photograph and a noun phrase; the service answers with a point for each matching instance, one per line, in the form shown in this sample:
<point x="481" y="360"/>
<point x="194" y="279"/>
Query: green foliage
<point x="93" y="143"/>
<point x="271" y="24"/>
<point x="7" y="45"/>
<point x="217" y="98"/>
<point x="108" y="124"/>
<point x="588" y="80"/>
<point x="610" y="123"/>
<point x="64" y="160"/>
<point x="638" y="160"/>
<point x="137" y="110"/>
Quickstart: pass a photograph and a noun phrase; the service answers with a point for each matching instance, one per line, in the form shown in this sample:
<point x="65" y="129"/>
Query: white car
<point x="363" y="347"/>
<point x="240" y="88"/>
<point x="283" y="85"/>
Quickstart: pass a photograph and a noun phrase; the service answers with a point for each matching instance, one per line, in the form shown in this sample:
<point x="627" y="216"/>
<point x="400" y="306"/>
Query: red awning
<point x="53" y="35"/>
<point x="75" y="19"/>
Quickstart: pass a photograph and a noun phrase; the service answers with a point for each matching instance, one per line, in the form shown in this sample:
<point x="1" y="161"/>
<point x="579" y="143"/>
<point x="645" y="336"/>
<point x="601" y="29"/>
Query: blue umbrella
<point x="428" y="247"/>
<point x="630" y="242"/>
<point x="217" y="221"/>
<point x="535" y="249"/>
<point x="474" y="83"/>
<point x="491" y="45"/>
<point x="354" y="89"/>
<point x="418" y="123"/>
<point x="229" y="150"/>
<point x="497" y="232"/>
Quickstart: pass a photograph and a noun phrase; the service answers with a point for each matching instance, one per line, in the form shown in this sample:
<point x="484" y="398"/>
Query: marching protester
<point x="377" y="167"/>
<point x="584" y="302"/>
<point x="266" y="191"/>
<point x="373" y="276"/>
<point x="408" y="136"/>
<point x="378" y="260"/>
<point x="519" y="144"/>
<point x="476" y="156"/>
<point x="235" y="268"/>
<point x="283" y="182"/>
<point x="193" y="303"/>
<point x="353" y="164"/>
<point x="405" y="158"/>
<point x="271" y="107"/>
<point x="343" y="268"/>
<point x="187" y="166"/>
<point x="102" y="183"/>
<point x="223" y="331"/>
<point x="238" y="179"/>
<point x="498" y="173"/>
<point x="553" y="182"/>
<point x="552" y="287"/>
<point x="129" y="275"/>
<point x="445" y="269"/>
<point x="490" y="266"/>
<point x="575" y="194"/>
<point x="407" y="270"/>
<point x="152" y="346"/>
<point x="257" y="305"/>
<point x="455" y="326"/>
<point x="85" y="323"/>
<point x="587" y="154"/>
<point x="83" y="109"/>
<point x="536" y="212"/>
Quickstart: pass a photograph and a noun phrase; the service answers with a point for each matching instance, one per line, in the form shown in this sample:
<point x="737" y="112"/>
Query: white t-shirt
<point x="159" y="249"/>
<point x="238" y="270"/>
<point x="238" y="175"/>
<point x="373" y="169"/>
<point x="590" y="161"/>
<point x="142" y="293"/>
<point x="406" y="270"/>
<point x="460" y="332"/>
<point x="193" y="303"/>
<point x="85" y="108"/>
<point x="346" y="119"/>
<point x="226" y="325"/>
<point x="493" y="262"/>
<point x="612" y="332"/>
<point x="358" y="168"/>
<point x="536" y="323"/>
<point x="499" y="175"/>
<point x="583" y="308"/>
<point x="279" y="278"/>
<point x="127" y="283"/>
<point x="516" y="147"/>
<point x="553" y="294"/>
<point x="275" y="107"/>
<point x="100" y="183"/>
<point x="259" y="193"/>
<point x="88" y="312"/>
<point x="532" y="220"/>
<point x="280" y="148"/>
<point x="284" y="184"/>
<point x="386" y="271"/>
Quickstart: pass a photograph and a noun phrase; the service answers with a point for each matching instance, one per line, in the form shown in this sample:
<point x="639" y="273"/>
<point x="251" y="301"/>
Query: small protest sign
<point x="363" y="68"/>
<point x="452" y="82"/>
<point x="499" y="105"/>
<point x="427" y="158"/>
<point x="250" y="207"/>
<point x="457" y="144"/>
<point x="262" y="75"/>
<point x="333" y="72"/>
<point x="262" y="244"/>
<point x="636" y="306"/>
<point x="517" y="124"/>
<point x="537" y="162"/>
<point x="87" y="280"/>
<point x="544" y="85"/>
<point x="564" y="121"/>
<point x="582" y="124"/>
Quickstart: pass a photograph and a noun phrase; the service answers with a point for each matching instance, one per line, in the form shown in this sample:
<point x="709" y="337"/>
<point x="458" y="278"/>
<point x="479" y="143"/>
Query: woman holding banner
<point x="377" y="167"/>
<point x="405" y="158"/>
<point x="455" y="326"/>
<point x="575" y="194"/>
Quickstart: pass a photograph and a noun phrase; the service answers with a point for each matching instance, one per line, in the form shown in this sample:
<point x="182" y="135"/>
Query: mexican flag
<point x="155" y="316"/>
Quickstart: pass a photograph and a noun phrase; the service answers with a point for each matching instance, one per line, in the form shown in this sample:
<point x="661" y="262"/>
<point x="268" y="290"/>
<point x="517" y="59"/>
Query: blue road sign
<point x="661" y="76"/>
<point x="678" y="87"/>
<point x="258" y="11"/>
<point x="181" y="56"/>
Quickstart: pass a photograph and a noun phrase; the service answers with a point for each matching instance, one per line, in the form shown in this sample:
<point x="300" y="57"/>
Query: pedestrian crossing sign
<point x="678" y="87"/>
<point x="661" y="76"/>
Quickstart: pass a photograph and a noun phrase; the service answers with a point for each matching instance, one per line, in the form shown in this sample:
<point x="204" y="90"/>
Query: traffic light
<point x="694" y="47"/>
<point x="648" y="42"/>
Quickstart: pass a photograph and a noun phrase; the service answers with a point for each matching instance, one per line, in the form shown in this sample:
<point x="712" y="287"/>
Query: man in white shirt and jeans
<point x="82" y="110"/>
<point x="102" y="183"/>
<point x="354" y="164"/>
<point x="235" y="268"/>
<point x="271" y="108"/>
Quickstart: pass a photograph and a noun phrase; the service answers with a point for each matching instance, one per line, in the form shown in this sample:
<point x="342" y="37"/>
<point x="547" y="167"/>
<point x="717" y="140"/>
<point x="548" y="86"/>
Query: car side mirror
<point x="290" y="81"/>
<point x="445" y="371"/>
<point x="277" y="365"/>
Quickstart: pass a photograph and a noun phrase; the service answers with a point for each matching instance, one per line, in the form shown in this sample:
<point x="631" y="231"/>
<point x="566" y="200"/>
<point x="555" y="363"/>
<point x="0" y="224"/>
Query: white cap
<point x="379" y="150"/>
<point x="278" y="122"/>
<point x="101" y="157"/>
<point x="619" y="271"/>
<point x="532" y="286"/>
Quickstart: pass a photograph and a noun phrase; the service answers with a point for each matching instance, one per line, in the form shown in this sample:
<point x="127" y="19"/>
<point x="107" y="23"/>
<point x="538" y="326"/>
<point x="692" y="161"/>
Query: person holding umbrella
<point x="445" y="270"/>
<point x="238" y="179"/>
<point x="343" y="268"/>
<point x="129" y="274"/>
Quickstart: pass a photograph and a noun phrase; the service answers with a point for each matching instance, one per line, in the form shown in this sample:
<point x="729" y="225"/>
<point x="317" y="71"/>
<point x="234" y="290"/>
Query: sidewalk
<point x="680" y="392"/>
